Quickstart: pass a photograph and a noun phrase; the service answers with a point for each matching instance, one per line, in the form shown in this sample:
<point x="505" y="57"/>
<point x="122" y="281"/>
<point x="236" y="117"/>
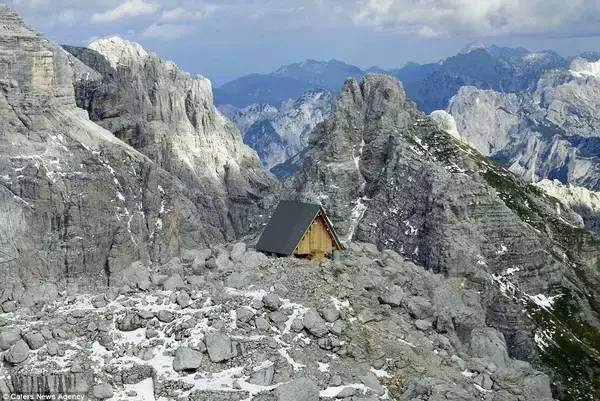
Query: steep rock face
<point x="170" y="117"/>
<point x="485" y="117"/>
<point x="584" y="202"/>
<point x="278" y="133"/>
<point x="77" y="204"/>
<point x="551" y="133"/>
<point x="386" y="174"/>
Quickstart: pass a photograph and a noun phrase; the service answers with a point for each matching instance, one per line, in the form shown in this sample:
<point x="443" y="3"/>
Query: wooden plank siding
<point x="316" y="241"/>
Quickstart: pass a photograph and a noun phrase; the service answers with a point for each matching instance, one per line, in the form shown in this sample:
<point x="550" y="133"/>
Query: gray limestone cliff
<point x="77" y="203"/>
<point x="170" y="117"/>
<point x="550" y="132"/>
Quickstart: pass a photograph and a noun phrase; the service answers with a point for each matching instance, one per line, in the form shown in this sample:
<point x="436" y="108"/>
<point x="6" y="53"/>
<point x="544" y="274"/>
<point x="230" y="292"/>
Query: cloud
<point x="167" y="31"/>
<point x="183" y="14"/>
<point x="128" y="9"/>
<point x="482" y="17"/>
<point x="67" y="16"/>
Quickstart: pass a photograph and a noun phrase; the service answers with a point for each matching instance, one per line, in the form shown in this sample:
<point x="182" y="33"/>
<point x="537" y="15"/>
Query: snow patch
<point x="356" y="215"/>
<point x="332" y="392"/>
<point x="582" y="68"/>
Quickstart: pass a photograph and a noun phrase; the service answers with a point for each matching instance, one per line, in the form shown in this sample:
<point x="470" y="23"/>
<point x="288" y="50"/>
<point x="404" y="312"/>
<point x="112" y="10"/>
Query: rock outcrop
<point x="77" y="204"/>
<point x="387" y="175"/>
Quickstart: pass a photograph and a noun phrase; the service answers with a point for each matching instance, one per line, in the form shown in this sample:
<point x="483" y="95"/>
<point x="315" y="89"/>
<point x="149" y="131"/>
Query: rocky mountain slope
<point x="77" y="202"/>
<point x="552" y="132"/>
<point x="278" y="133"/>
<point x="230" y="324"/>
<point x="387" y="175"/>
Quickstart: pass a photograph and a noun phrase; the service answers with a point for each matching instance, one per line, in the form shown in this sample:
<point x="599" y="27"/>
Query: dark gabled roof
<point x="287" y="225"/>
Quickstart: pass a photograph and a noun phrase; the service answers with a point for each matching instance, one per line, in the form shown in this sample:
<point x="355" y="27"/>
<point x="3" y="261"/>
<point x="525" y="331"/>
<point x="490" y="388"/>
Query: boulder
<point x="151" y="333"/>
<point x="300" y="389"/>
<point x="165" y="316"/>
<point x="183" y="299"/>
<point x="330" y="313"/>
<point x="244" y="314"/>
<point x="136" y="275"/>
<point x="9" y="306"/>
<point x="17" y="353"/>
<point x="422" y="325"/>
<point x="186" y="359"/>
<point x="272" y="301"/>
<point x="219" y="346"/>
<point x="52" y="348"/>
<point x="221" y="261"/>
<point x="238" y="251"/>
<point x="174" y="282"/>
<point x="314" y="324"/>
<point x="8" y="337"/>
<point x="102" y="391"/>
<point x="393" y="297"/>
<point x="338" y="327"/>
<point x="196" y="255"/>
<point x="263" y="376"/>
<point x="254" y="259"/>
<point x="129" y="322"/>
<point x="262" y="324"/>
<point x="34" y="339"/>
<point x="488" y="343"/>
<point x="419" y="307"/>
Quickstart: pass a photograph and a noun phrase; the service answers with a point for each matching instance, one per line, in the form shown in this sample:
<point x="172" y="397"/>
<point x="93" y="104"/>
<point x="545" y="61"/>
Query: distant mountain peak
<point x="472" y="47"/>
<point x="313" y="66"/>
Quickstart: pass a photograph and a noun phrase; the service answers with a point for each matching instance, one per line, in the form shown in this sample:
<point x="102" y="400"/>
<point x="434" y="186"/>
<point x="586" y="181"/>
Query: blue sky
<point x="225" y="39"/>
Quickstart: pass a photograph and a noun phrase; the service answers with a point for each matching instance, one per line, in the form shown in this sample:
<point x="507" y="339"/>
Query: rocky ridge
<point x="231" y="324"/>
<point x="388" y="175"/>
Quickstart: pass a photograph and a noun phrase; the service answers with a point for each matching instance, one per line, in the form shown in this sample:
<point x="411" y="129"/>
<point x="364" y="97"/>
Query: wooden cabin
<point x="300" y="229"/>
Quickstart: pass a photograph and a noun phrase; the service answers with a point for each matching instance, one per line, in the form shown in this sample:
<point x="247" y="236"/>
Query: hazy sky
<point x="223" y="39"/>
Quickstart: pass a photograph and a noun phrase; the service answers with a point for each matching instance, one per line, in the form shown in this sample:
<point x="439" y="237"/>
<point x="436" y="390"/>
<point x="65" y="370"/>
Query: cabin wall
<point x="316" y="240"/>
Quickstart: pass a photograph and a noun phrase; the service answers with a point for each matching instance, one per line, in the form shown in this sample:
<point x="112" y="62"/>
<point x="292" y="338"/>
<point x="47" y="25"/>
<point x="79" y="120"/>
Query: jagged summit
<point x="118" y="50"/>
<point x="388" y="175"/>
<point x="13" y="25"/>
